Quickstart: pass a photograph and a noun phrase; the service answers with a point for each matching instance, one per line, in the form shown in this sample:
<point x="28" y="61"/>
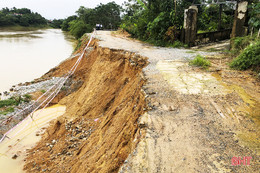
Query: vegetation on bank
<point x="8" y="102"/>
<point x="86" y="19"/>
<point x="7" y="111"/>
<point x="161" y="22"/>
<point x="246" y="50"/>
<point x="7" y="106"/>
<point x="249" y="58"/>
<point x="21" y="17"/>
<point x="238" y="44"/>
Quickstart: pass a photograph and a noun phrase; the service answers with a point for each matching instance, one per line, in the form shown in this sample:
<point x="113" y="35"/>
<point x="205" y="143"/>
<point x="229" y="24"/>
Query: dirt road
<point x="198" y="120"/>
<point x="195" y="121"/>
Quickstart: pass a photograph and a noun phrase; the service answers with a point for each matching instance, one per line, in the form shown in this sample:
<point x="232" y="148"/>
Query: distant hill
<point x="23" y="17"/>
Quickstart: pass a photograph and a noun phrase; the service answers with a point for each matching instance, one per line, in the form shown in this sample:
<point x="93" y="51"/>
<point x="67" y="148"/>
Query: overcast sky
<point x="51" y="9"/>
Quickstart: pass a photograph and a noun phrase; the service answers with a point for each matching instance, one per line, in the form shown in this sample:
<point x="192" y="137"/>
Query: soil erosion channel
<point x="128" y="116"/>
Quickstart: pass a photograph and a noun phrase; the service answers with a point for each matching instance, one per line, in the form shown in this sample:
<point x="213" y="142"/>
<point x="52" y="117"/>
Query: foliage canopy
<point x="161" y="22"/>
<point x="22" y="17"/>
<point x="86" y="19"/>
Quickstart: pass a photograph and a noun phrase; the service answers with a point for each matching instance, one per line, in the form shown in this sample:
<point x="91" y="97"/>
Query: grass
<point x="213" y="50"/>
<point x="15" y="101"/>
<point x="7" y="106"/>
<point x="27" y="98"/>
<point x="178" y="44"/>
<point x="249" y="58"/>
<point x="19" y="35"/>
<point x="200" y="61"/>
<point x="43" y="91"/>
<point x="8" y="102"/>
<point x="238" y="44"/>
<point x="7" y="111"/>
<point x="175" y="44"/>
<point x="201" y="31"/>
<point x="23" y="28"/>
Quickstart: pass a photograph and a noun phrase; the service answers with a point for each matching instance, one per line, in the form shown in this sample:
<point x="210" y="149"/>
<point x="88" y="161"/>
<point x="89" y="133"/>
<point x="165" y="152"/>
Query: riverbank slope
<point x="197" y="121"/>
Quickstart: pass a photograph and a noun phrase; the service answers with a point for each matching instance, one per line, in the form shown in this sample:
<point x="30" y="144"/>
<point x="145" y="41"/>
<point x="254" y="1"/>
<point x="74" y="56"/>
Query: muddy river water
<point x="26" y="55"/>
<point x="23" y="137"/>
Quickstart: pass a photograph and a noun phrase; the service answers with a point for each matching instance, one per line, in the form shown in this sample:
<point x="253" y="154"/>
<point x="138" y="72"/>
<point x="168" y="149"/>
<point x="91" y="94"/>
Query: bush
<point x="177" y="44"/>
<point x="7" y="111"/>
<point x="27" y="98"/>
<point x="249" y="58"/>
<point x="172" y="34"/>
<point x="78" y="28"/>
<point x="8" y="102"/>
<point x="238" y="44"/>
<point x="43" y="91"/>
<point x="200" y="61"/>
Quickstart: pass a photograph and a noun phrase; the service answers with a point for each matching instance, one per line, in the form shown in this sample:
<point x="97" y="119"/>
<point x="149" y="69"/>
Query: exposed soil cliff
<point x="198" y="121"/>
<point x="97" y="132"/>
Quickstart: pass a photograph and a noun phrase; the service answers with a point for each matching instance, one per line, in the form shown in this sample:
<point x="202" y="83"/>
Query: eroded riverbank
<point x="98" y="130"/>
<point x="191" y="119"/>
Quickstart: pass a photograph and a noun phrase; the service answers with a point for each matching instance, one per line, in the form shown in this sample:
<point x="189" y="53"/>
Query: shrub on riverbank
<point x="8" y="102"/>
<point x="249" y="58"/>
<point x="7" y="111"/>
<point x="15" y="101"/>
<point x="78" y="28"/>
<point x="238" y="44"/>
<point x="7" y="106"/>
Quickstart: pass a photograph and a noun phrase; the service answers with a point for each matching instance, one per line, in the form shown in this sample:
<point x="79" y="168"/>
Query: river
<point x="26" y="55"/>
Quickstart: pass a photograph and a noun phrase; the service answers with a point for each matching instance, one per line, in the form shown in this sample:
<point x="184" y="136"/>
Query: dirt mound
<point x="97" y="132"/>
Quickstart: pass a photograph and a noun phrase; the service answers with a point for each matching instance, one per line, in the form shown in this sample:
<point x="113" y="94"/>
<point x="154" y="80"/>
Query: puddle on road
<point x="188" y="82"/>
<point x="250" y="109"/>
<point x="24" y="137"/>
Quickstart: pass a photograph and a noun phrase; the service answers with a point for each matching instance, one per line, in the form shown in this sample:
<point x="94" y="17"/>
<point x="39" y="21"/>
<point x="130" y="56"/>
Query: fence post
<point x="238" y="29"/>
<point x="190" y="25"/>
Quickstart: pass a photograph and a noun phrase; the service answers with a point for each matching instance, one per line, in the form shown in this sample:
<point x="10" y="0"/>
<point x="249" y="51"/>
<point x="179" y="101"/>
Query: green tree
<point x="108" y="15"/>
<point x="24" y="20"/>
<point x="78" y="28"/>
<point x="153" y="20"/>
<point x="23" y="17"/>
<point x="254" y="15"/>
<point x="86" y="19"/>
<point x="56" y="23"/>
<point x="65" y="24"/>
